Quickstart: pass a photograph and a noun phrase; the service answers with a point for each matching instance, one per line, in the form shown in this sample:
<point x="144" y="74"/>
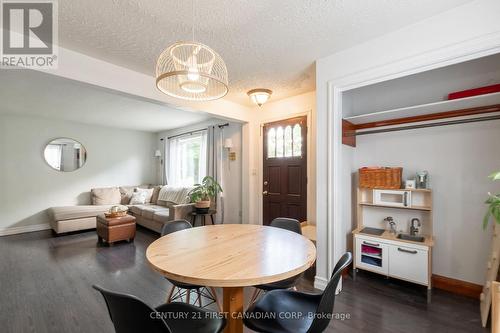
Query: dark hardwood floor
<point x="45" y="286"/>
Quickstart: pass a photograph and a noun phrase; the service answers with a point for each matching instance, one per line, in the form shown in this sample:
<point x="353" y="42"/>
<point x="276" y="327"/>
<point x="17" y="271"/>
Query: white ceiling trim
<point x="32" y="93"/>
<point x="79" y="67"/>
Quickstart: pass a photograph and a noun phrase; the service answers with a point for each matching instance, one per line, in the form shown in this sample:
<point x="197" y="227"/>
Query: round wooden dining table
<point x="231" y="256"/>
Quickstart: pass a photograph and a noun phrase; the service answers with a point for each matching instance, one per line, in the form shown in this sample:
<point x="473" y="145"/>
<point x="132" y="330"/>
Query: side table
<point x="203" y="216"/>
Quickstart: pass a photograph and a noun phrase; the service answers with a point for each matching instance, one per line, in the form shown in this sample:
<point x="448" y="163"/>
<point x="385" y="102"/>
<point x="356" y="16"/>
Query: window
<point x="279" y="142"/>
<point x="297" y="140"/>
<point x="271" y="143"/>
<point x="187" y="163"/>
<point x="284" y="142"/>
<point x="288" y="141"/>
<point x="53" y="155"/>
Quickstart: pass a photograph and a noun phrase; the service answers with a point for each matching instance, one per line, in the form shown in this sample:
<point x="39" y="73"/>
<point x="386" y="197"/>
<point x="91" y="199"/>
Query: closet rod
<point x="442" y="123"/>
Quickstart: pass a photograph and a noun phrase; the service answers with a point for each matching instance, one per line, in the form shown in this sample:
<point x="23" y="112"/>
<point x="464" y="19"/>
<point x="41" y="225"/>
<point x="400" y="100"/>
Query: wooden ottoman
<point x="113" y="229"/>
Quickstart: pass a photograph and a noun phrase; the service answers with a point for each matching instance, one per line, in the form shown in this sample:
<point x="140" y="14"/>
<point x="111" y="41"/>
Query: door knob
<point x="265" y="182"/>
<point x="265" y="192"/>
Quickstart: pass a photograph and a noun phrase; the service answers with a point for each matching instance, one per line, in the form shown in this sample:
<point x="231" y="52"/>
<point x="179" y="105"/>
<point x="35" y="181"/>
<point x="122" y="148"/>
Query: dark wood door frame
<point x="284" y="182"/>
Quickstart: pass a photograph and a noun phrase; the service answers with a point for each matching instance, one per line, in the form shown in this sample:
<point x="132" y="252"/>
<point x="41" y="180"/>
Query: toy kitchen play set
<point x="394" y="234"/>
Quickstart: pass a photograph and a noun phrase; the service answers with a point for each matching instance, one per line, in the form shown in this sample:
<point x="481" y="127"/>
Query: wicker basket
<point x="115" y="214"/>
<point x="380" y="177"/>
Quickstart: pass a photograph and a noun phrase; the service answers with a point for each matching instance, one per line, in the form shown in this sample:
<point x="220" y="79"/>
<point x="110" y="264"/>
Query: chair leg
<point x="214" y="293"/>
<point x="169" y="297"/>
<point x="199" y="297"/>
<point x="255" y="295"/>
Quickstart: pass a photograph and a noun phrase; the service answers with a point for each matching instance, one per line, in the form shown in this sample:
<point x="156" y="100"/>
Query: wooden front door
<point x="285" y="170"/>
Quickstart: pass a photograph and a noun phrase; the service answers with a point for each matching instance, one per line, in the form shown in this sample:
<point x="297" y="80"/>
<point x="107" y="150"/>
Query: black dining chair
<point x="131" y="315"/>
<point x="182" y="291"/>
<point x="287" y="224"/>
<point x="312" y="312"/>
<point x="290" y="225"/>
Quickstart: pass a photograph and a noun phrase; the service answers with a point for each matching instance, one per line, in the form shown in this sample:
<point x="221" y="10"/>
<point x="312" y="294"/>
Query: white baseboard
<point x="320" y="283"/>
<point x="23" y="229"/>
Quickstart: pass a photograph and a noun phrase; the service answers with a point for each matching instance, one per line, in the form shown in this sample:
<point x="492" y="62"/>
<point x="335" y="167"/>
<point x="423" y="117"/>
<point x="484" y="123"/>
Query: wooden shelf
<point x="428" y="190"/>
<point x="426" y="109"/>
<point x="429" y="240"/>
<point x="425" y="115"/>
<point x="422" y="208"/>
<point x="372" y="255"/>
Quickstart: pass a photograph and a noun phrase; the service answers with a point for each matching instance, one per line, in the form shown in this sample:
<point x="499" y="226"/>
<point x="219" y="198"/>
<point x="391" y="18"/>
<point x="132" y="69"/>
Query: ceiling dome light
<point x="259" y="96"/>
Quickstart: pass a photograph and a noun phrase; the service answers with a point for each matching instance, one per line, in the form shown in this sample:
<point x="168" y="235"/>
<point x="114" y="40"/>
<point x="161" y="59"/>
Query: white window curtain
<point x="186" y="158"/>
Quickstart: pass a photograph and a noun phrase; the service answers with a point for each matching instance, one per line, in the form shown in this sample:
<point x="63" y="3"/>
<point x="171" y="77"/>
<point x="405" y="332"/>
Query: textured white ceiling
<point x="270" y="44"/>
<point x="26" y="92"/>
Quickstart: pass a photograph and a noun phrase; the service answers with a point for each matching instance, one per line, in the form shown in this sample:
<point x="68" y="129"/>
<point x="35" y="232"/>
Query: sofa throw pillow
<point x="126" y="193"/>
<point x="156" y="194"/>
<point x="147" y="191"/>
<point x="106" y="196"/>
<point x="138" y="198"/>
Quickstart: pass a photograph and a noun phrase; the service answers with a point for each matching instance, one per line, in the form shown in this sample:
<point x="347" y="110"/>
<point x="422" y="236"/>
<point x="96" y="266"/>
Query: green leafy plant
<point x="205" y="191"/>
<point x="493" y="203"/>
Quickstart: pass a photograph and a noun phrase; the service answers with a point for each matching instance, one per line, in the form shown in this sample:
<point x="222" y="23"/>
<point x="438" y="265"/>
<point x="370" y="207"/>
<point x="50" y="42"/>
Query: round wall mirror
<point x="64" y="154"/>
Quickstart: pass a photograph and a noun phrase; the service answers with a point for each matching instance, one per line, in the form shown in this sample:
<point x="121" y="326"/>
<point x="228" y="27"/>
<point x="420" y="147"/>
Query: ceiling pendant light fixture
<point x="259" y="96"/>
<point x="191" y="71"/>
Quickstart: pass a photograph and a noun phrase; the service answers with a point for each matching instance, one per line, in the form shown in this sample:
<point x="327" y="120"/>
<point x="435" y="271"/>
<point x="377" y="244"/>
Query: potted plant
<point x="493" y="203"/>
<point x="203" y="193"/>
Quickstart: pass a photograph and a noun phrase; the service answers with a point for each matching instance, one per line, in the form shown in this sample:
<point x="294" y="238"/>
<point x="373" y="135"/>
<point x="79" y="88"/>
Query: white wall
<point x="231" y="170"/>
<point x="304" y="104"/>
<point x="459" y="158"/>
<point x="465" y="32"/>
<point x="29" y="186"/>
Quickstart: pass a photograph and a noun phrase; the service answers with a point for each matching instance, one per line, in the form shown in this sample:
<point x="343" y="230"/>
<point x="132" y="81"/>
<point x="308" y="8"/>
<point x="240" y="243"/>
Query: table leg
<point x="212" y="218"/>
<point x="233" y="307"/>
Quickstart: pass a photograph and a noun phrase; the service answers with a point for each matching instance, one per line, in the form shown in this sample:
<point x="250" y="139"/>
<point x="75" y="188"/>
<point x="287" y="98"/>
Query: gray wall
<point x="459" y="159"/>
<point x="29" y="186"/>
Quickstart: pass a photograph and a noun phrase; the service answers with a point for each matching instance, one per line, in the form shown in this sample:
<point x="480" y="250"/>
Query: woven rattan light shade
<point x="191" y="71"/>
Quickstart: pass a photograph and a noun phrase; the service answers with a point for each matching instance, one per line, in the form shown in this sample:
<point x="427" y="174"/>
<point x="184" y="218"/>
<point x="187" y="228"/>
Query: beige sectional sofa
<point x="152" y="215"/>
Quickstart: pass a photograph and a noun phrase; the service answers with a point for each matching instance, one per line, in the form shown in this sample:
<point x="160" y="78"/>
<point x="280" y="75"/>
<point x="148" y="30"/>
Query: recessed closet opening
<point x="415" y="124"/>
